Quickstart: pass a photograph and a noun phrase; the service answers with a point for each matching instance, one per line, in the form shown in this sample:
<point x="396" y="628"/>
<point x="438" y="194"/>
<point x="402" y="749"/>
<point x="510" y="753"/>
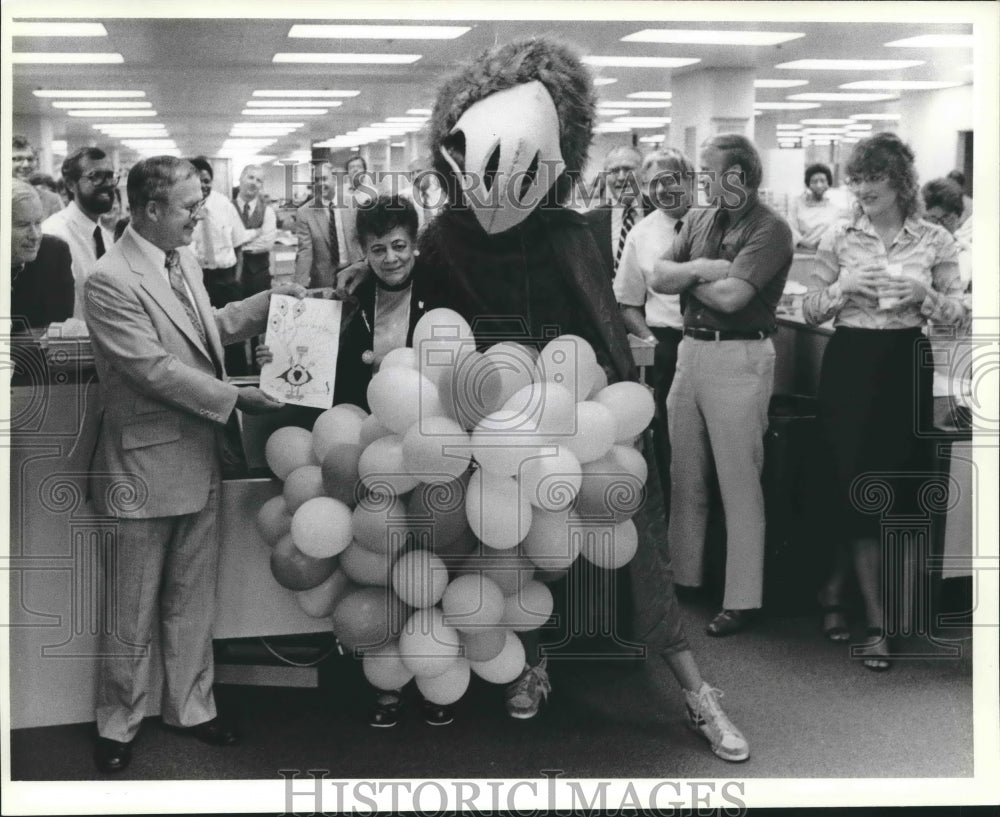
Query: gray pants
<point x="164" y="575"/>
<point x="717" y="413"/>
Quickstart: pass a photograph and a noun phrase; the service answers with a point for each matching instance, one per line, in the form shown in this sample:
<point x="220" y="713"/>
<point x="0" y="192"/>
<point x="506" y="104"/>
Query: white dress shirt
<point x="647" y="241"/>
<point x="74" y="227"/>
<point x="218" y="234"/>
<point x="262" y="239"/>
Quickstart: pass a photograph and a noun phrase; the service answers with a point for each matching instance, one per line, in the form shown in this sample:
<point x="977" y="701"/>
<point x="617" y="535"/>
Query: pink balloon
<point x="365" y="566"/>
<point x="508" y="569"/>
<point x="320" y="601"/>
<point x="427" y="645"/>
<point x="303" y="484"/>
<point x="274" y="520"/>
<point x="419" y="578"/>
<point x="437" y="516"/>
<point x="472" y="602"/>
<point x="380" y="524"/>
<point x="340" y="472"/>
<point x="295" y="570"/>
<point x="368" y="618"/>
<point x="483" y="645"/>
<point x="529" y="608"/>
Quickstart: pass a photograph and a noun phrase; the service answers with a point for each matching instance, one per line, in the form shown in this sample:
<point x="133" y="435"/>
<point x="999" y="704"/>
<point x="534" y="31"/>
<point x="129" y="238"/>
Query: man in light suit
<point x="622" y="205"/>
<point x="327" y="237"/>
<point x="158" y="346"/>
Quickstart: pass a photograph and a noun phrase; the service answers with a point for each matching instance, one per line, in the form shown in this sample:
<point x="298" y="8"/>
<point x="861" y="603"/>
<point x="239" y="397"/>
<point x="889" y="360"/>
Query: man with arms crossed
<point x="158" y="349"/>
<point x="729" y="264"/>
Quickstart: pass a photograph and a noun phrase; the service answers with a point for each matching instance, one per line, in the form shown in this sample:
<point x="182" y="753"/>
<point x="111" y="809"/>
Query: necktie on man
<point x="628" y="220"/>
<point x="173" y="264"/>
<point x="98" y="242"/>
<point x="334" y="242"/>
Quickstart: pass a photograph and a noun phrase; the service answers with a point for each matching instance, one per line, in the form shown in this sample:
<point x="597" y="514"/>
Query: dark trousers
<point x="664" y="367"/>
<point x="256" y="278"/>
<point x="223" y="288"/>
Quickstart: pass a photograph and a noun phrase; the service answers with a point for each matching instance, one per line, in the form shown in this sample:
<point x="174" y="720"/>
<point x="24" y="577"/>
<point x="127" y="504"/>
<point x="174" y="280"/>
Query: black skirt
<point x="876" y="391"/>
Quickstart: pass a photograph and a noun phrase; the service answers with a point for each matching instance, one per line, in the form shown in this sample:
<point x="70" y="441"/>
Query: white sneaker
<point x="525" y="695"/>
<point x="705" y="715"/>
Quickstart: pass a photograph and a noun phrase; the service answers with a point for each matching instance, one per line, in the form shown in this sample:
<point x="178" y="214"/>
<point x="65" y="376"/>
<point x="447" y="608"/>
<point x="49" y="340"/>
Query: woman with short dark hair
<point x="881" y="277"/>
<point x="815" y="210"/>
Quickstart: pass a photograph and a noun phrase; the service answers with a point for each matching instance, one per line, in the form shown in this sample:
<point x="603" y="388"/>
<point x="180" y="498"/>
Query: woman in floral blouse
<point x="881" y="276"/>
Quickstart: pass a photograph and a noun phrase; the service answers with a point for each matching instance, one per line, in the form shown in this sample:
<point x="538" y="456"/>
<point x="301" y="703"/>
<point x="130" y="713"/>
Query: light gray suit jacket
<point x="165" y="402"/>
<point x="313" y="265"/>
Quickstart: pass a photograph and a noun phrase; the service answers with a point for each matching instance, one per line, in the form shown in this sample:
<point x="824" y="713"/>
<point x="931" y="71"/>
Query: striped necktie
<point x="173" y="264"/>
<point x="628" y="219"/>
<point x="334" y="243"/>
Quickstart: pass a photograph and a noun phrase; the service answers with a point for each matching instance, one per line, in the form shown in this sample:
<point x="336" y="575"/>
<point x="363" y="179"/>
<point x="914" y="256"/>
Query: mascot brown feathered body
<point x="534" y="273"/>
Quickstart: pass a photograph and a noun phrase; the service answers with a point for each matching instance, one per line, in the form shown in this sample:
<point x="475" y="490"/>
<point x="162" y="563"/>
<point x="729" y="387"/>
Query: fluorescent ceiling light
<point x="598" y="81"/>
<point x="837" y="97"/>
<point x="317" y="94"/>
<point x="900" y="85"/>
<point x="411" y="120"/>
<point x="848" y="65"/>
<point x="652" y="140"/>
<point x="860" y="126"/>
<point x="104" y="103"/>
<point x="698" y="36"/>
<point x="779" y="83"/>
<point x="376" y="32"/>
<point x="347" y="59"/>
<point x="58" y="30"/>
<point x="129" y="125"/>
<point x="150" y="143"/>
<point x="785" y="106"/>
<point x="610" y="127"/>
<point x="111" y="114"/>
<point x="934" y="41"/>
<point x="788" y="127"/>
<point x="88" y="94"/>
<point x="419" y="112"/>
<point x="284" y="112"/>
<point x="633" y="103"/>
<point x="650" y="95"/>
<point x="642" y="121"/>
<point x="297" y="103"/>
<point x="821" y="142"/>
<point x="612" y="111"/>
<point x="397" y="144"/>
<point x="641" y="62"/>
<point x="826" y="121"/>
<point x="876" y="117"/>
<point x="824" y="130"/>
<point x="60" y="58"/>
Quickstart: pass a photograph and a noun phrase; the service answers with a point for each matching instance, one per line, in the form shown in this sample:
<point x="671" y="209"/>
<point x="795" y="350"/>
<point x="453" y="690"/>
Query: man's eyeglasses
<point x="101" y="177"/>
<point x="194" y="209"/>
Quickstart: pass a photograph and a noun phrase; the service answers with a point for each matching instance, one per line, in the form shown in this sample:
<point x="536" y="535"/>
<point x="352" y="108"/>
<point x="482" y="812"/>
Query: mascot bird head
<point x="511" y="130"/>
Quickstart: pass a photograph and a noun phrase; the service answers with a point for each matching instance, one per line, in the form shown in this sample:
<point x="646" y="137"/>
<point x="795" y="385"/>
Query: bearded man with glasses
<point x="90" y="181"/>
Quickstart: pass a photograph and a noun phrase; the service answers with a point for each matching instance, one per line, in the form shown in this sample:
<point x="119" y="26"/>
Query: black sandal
<point x="878" y="663"/>
<point x="835" y="623"/>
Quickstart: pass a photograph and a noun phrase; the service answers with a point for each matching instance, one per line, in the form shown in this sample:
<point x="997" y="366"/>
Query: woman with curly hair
<point x="881" y="277"/>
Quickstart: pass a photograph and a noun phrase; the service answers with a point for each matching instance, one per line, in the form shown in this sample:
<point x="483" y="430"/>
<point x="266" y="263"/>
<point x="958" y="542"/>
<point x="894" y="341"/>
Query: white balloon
<point x="441" y="339"/>
<point x="399" y="397"/>
<point x="569" y="361"/>
<point x="381" y="467"/>
<point x="631" y="404"/>
<point x="419" y="578"/>
<point x="498" y="514"/>
<point x="427" y="645"/>
<point x="516" y="366"/>
<point x="552" y="479"/>
<point x="472" y="602"/>
<point x="384" y="668"/>
<point x="340" y="424"/>
<point x="405" y="357"/>
<point x="321" y="527"/>
<point x="503" y="441"/>
<point x="595" y="431"/>
<point x="436" y="449"/>
<point x="449" y="686"/>
<point x="506" y="667"/>
<point x="547" y="409"/>
<point x="371" y="430"/>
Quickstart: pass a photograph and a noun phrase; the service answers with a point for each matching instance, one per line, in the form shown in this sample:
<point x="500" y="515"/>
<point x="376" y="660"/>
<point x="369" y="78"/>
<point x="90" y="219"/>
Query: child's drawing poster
<point x="303" y="335"/>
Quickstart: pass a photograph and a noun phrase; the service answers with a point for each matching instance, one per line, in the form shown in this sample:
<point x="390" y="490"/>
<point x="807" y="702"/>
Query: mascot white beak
<point x="512" y="155"/>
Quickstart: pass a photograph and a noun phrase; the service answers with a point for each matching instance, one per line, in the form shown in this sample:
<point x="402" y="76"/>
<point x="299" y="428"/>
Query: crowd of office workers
<point x="697" y="274"/>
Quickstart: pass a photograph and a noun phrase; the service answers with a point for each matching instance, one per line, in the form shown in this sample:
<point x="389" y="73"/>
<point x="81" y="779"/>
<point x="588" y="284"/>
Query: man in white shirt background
<point x="90" y="180"/>
<point x="261" y="225"/>
<point x="650" y="315"/>
<point x="216" y="238"/>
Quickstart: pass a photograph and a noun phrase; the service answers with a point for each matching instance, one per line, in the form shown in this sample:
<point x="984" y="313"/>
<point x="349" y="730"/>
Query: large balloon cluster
<point x="428" y="529"/>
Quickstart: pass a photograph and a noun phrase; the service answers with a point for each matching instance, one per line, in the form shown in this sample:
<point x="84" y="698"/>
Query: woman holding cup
<point x="881" y="276"/>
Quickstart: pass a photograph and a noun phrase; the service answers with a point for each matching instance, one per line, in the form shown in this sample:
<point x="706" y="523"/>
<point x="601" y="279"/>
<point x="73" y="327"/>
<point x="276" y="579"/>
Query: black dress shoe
<point x="729" y="622"/>
<point x="112" y="756"/>
<point x="217" y="732"/>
